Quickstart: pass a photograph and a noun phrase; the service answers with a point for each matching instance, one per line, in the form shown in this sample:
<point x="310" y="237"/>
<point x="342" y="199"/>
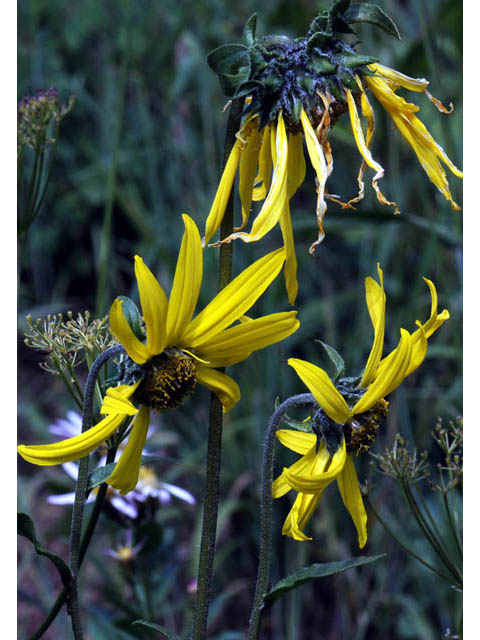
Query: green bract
<point x="279" y="73"/>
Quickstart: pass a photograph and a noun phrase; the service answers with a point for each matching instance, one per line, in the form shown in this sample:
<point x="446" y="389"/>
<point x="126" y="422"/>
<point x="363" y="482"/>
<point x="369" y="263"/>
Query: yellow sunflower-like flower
<point x="299" y="89"/>
<point x="356" y="421"/>
<point x="179" y="351"/>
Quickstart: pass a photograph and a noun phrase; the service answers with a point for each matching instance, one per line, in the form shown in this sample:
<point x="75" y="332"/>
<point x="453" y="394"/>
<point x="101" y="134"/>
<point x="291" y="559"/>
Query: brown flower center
<point x="168" y="379"/>
<point x="361" y="431"/>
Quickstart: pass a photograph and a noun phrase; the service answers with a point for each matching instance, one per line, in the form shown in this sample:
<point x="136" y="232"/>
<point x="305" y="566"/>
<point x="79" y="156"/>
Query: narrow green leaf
<point x="26" y="528"/>
<point x="156" y="627"/>
<point x="133" y="317"/>
<point x="250" y="29"/>
<point x="313" y="572"/>
<point x="373" y="14"/>
<point x="335" y="357"/>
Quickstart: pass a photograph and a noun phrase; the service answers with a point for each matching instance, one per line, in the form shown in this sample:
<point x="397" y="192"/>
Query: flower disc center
<point x="361" y="431"/>
<point x="168" y="379"/>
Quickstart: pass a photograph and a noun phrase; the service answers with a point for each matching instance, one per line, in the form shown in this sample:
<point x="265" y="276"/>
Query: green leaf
<point x="313" y="572"/>
<point x="352" y="61"/>
<point x="156" y="627"/>
<point x="26" y="528"/>
<point x="250" y="29"/>
<point x="227" y="57"/>
<point x="335" y="357"/>
<point x="133" y="317"/>
<point x="99" y="476"/>
<point x="373" y="14"/>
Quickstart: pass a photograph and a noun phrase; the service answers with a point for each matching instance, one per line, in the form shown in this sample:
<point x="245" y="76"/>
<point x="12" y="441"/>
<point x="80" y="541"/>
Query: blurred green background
<point x="144" y="139"/>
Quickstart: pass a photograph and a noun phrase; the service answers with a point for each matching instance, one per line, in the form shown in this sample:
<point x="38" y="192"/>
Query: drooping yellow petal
<point x="248" y="168"/>
<point x="388" y="377"/>
<point x="352" y="499"/>
<point x="235" y="344"/>
<point x="317" y="159"/>
<point x="297" y="441"/>
<point x="290" y="269"/>
<point x="376" y="301"/>
<point x="416" y="134"/>
<point x="154" y="307"/>
<point x="117" y="400"/>
<point x="223" y="386"/>
<point x="365" y="151"/>
<point x="323" y="390"/>
<point x="186" y="284"/>
<point x="435" y="320"/>
<point x="280" y="487"/>
<point x="413" y="84"/>
<point x="298" y="516"/>
<point x="296" y="167"/>
<point x="310" y="474"/>
<point x="234" y="300"/>
<point x="272" y="208"/>
<point x="217" y="211"/>
<point x="125" y="475"/>
<point x="71" y="448"/>
<point x="262" y="179"/>
<point x="369" y="114"/>
<point x="120" y="328"/>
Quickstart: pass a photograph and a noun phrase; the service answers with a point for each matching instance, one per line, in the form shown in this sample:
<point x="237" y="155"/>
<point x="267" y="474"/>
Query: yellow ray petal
<point x="296" y="167"/>
<point x="413" y="84"/>
<point x="116" y="400"/>
<point x="352" y="499"/>
<point x="416" y="134"/>
<point x="71" y="448"/>
<point x="390" y="376"/>
<point x="272" y="208"/>
<point x="376" y="301"/>
<point x="120" y="328"/>
<point x="125" y="475"/>
<point x="317" y="159"/>
<point x="308" y="475"/>
<point x="223" y="386"/>
<point x="369" y="114"/>
<point x="297" y="441"/>
<point x="247" y="172"/>
<point x="154" y="307"/>
<point x="234" y="300"/>
<point x="262" y="179"/>
<point x="235" y="344"/>
<point x="290" y="269"/>
<point x="298" y="516"/>
<point x="323" y="390"/>
<point x="186" y="284"/>
<point x="280" y="487"/>
<point x="217" y="211"/>
<point x="365" y="151"/>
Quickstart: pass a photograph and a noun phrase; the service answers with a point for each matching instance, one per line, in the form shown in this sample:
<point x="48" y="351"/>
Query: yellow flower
<point x="271" y="162"/>
<point x="179" y="351"/>
<point x="356" y="420"/>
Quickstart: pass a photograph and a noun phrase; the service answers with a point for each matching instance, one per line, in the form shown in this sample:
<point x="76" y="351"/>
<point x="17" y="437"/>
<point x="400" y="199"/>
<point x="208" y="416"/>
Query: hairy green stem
<point x="81" y="489"/>
<point x="263" y="573"/>
<point x="215" y="427"/>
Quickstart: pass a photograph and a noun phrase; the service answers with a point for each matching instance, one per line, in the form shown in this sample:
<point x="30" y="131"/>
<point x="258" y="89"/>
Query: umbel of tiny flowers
<point x="178" y="352"/>
<point x="296" y="90"/>
<point x="349" y="416"/>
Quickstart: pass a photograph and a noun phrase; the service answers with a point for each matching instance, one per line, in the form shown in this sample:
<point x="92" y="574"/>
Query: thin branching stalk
<point x="404" y="547"/>
<point x="263" y="573"/>
<point x="215" y="428"/>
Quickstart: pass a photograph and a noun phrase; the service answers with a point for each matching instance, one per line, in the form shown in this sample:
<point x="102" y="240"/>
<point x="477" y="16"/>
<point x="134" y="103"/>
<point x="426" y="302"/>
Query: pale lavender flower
<point x="125" y="552"/>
